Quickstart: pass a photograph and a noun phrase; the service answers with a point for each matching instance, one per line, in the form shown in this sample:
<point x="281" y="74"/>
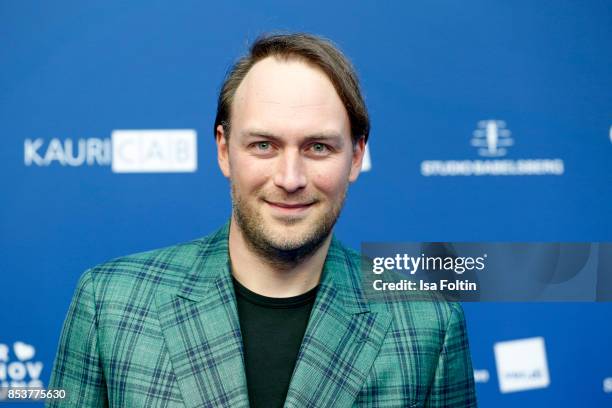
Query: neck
<point x="269" y="277"/>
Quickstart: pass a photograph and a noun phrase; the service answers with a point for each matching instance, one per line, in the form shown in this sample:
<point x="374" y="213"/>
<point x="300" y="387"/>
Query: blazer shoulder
<point x="429" y="320"/>
<point x="159" y="268"/>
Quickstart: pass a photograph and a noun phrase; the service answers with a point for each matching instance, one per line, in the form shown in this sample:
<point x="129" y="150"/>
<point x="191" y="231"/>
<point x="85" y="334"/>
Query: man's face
<point x="289" y="157"/>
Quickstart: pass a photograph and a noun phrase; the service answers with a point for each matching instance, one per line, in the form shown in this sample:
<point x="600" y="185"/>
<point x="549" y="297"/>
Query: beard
<point x="278" y="249"/>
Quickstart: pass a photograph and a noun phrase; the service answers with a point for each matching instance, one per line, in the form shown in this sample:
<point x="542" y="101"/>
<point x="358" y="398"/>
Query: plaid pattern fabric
<point x="160" y="329"/>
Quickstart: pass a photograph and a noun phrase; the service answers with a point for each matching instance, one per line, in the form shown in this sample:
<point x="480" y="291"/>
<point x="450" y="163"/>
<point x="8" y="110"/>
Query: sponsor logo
<point x="127" y="151"/>
<point x="607" y="385"/>
<point x="366" y="164"/>
<point x="492" y="139"/>
<point x="67" y="152"/>
<point x="521" y="364"/>
<point x="154" y="151"/>
<point x="19" y="369"/>
<point x="481" y="376"/>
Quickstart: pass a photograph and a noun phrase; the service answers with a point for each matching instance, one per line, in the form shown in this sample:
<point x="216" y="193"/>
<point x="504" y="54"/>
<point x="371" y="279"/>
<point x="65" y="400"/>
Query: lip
<point x="289" y="208"/>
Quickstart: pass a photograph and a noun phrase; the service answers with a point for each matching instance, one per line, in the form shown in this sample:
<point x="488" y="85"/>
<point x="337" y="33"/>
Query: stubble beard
<point x="274" y="249"/>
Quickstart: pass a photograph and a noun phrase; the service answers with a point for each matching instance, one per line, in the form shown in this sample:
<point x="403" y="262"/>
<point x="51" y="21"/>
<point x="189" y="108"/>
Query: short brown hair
<point x="312" y="49"/>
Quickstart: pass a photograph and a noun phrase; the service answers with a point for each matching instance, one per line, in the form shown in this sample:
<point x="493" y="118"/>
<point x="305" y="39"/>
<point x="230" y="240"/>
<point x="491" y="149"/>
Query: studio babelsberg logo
<point x="492" y="140"/>
<point x="126" y="151"/>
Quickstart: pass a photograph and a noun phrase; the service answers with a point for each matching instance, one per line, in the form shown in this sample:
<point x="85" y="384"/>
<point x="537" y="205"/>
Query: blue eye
<point x="261" y="146"/>
<point x="320" y="148"/>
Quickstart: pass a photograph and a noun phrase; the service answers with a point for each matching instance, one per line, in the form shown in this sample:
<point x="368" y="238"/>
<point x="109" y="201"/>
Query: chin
<point x="282" y="239"/>
<point x="291" y="241"/>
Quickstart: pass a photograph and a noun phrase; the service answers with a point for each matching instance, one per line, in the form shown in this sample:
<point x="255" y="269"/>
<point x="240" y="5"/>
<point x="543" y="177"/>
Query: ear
<point x="357" y="159"/>
<point x="222" y="151"/>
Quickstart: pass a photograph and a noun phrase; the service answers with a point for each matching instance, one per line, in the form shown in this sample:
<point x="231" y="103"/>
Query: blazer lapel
<point x="342" y="339"/>
<point x="202" y="332"/>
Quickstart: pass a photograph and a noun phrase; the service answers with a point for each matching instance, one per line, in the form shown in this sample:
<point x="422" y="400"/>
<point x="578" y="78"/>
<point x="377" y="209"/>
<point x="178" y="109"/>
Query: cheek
<point x="248" y="173"/>
<point x="331" y="180"/>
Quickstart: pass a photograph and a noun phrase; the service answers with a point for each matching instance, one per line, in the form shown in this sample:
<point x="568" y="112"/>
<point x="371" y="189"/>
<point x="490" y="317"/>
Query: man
<point x="269" y="310"/>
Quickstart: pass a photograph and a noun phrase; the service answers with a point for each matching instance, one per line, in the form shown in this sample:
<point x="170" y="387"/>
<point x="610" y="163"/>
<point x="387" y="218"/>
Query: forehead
<point x="288" y="98"/>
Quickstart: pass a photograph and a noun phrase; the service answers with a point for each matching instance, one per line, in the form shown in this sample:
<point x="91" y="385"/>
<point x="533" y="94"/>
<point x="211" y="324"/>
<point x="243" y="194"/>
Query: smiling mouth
<point x="289" y="205"/>
<point x="291" y="208"/>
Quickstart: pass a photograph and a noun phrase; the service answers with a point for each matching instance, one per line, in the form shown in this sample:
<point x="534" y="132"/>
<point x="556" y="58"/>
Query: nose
<point x="290" y="174"/>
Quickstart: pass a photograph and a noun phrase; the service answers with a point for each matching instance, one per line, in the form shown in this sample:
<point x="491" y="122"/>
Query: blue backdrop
<point x="532" y="77"/>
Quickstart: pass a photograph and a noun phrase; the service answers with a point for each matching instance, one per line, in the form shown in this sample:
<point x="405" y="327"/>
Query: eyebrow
<point x="323" y="136"/>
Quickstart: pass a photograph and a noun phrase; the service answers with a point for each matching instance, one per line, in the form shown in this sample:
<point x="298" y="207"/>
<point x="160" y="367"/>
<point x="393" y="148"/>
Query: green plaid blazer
<point x="160" y="329"/>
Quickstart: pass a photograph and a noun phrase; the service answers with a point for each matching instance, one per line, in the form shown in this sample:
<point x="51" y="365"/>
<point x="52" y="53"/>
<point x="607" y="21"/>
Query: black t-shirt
<point x="272" y="331"/>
